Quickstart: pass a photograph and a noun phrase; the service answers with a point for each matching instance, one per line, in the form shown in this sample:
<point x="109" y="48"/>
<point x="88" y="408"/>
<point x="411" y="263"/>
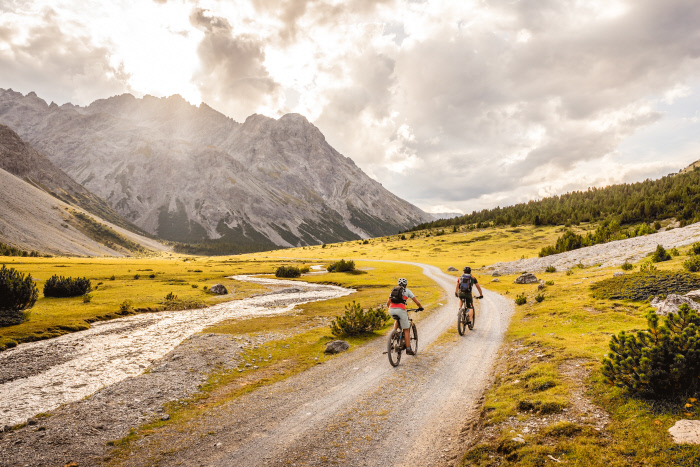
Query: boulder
<point x="672" y="303"/>
<point x="686" y="432"/>
<point x="452" y="269"/>
<point x="693" y="295"/>
<point x="541" y="287"/>
<point x="218" y="289"/>
<point x="526" y="278"/>
<point x="336" y="347"/>
<point x="495" y="274"/>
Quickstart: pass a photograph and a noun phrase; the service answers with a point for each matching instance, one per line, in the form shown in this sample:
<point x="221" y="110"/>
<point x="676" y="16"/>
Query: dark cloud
<point x="233" y="77"/>
<point x="49" y="61"/>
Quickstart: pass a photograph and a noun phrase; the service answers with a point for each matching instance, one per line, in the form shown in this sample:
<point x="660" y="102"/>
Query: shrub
<point x="648" y="267"/>
<point x="287" y="271"/>
<point x="151" y="276"/>
<point x="674" y="252"/>
<point x="694" y="249"/>
<point x="87" y="298"/>
<point x="692" y="264"/>
<point x="304" y="269"/>
<point x="660" y="254"/>
<point x="627" y="266"/>
<point x="549" y="283"/>
<point x="194" y="286"/>
<point x="112" y="278"/>
<point x="66" y="287"/>
<point x="365" y="242"/>
<point x="642" y="286"/>
<point x="547" y="250"/>
<point x="171" y="302"/>
<point x="569" y="272"/>
<point x="126" y="306"/>
<point x="539" y="298"/>
<point x="657" y="225"/>
<point x="550" y="269"/>
<point x="358" y="321"/>
<point x="17" y="293"/>
<point x="521" y="299"/>
<point x="136" y="276"/>
<point x="342" y="266"/>
<point x="660" y="362"/>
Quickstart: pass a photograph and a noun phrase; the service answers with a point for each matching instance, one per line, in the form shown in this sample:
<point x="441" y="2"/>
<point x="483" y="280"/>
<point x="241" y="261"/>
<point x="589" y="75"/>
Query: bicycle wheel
<point x="394" y="347"/>
<point x="471" y="323"/>
<point x="414" y="338"/>
<point x="461" y="321"/>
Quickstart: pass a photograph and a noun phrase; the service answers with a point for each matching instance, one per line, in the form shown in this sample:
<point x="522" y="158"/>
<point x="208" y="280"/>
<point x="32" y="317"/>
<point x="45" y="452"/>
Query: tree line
<point x="675" y="195"/>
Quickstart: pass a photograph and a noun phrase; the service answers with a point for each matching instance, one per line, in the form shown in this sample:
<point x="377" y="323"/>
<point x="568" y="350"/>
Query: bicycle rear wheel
<point x="461" y="321"/>
<point x="414" y="338"/>
<point x="394" y="347"/>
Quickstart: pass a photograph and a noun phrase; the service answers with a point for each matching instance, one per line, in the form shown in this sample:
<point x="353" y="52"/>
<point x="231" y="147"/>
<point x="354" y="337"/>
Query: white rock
<point x="672" y="303"/>
<point x="686" y="432"/>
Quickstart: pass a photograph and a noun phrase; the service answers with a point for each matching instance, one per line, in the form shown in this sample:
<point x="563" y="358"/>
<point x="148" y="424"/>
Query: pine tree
<point x="17" y="293"/>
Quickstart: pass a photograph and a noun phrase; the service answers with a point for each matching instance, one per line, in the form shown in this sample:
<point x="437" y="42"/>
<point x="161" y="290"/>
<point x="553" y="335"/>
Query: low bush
<point x="661" y="361"/>
<point x="87" y="298"/>
<point x="692" y="264"/>
<point x="539" y="298"/>
<point x="648" y="267"/>
<point x="549" y="283"/>
<point x="642" y="286"/>
<point x="357" y="321"/>
<point x="627" y="266"/>
<point x="521" y="299"/>
<point x="550" y="269"/>
<point x="341" y="266"/>
<point x="66" y="287"/>
<point x="17" y="293"/>
<point x="694" y="249"/>
<point x="126" y="306"/>
<point x="674" y="252"/>
<point x="569" y="272"/>
<point x="660" y="254"/>
<point x="172" y="302"/>
<point x="287" y="271"/>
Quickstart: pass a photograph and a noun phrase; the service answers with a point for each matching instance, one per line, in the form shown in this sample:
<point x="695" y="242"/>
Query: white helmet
<point x="403" y="282"/>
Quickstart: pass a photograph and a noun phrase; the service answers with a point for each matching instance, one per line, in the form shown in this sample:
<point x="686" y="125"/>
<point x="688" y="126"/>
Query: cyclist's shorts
<point x="468" y="298"/>
<point x="402" y="315"/>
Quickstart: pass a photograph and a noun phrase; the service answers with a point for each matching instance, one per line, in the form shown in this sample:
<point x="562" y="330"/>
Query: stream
<point x="40" y="376"/>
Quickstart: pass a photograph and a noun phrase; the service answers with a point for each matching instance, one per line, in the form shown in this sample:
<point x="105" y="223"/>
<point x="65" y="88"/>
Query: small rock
<point x="165" y="418"/>
<point x="337" y="347"/>
<point x="452" y="269"/>
<point x="519" y="439"/>
<point x="693" y="295"/>
<point x="218" y="289"/>
<point x="672" y="303"/>
<point x="686" y="432"/>
<point x="618" y="274"/>
<point x="495" y="279"/>
<point x="541" y="287"/>
<point x="31" y="421"/>
<point x="526" y="278"/>
<point x="255" y="367"/>
<point x="217" y="445"/>
<point x="248" y="365"/>
<point x="495" y="274"/>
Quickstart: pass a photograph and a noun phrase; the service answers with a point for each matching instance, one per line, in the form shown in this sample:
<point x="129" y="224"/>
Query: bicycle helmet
<point x="403" y="282"/>
<point x="467" y="270"/>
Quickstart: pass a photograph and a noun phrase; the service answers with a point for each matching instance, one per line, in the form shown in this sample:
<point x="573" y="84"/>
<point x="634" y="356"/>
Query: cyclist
<point x="397" y="309"/>
<point x="464" y="290"/>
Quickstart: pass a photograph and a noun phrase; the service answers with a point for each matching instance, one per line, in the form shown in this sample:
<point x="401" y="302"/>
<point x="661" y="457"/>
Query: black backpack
<point x="465" y="285"/>
<point x="396" y="295"/>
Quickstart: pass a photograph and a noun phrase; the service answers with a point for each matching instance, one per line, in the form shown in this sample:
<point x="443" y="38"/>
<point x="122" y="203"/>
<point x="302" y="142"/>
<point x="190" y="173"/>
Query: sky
<point x="454" y="106"/>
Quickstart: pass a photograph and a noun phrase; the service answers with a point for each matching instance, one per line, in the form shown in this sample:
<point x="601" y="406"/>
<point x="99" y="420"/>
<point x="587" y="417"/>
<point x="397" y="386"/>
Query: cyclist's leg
<point x="469" y="302"/>
<point x="407" y="337"/>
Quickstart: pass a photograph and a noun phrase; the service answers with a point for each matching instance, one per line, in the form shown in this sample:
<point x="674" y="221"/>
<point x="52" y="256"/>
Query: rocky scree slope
<point x="20" y="159"/>
<point x="189" y="174"/>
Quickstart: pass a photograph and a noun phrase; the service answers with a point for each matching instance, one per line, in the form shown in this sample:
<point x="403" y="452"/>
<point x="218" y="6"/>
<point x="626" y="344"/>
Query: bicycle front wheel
<point x="394" y="347"/>
<point x="461" y="321"/>
<point x="414" y="338"/>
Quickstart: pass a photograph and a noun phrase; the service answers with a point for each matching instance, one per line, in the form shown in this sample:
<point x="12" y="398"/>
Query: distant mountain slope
<point x="20" y="159"/>
<point x="675" y="195"/>
<point x="31" y="219"/>
<point x="190" y="174"/>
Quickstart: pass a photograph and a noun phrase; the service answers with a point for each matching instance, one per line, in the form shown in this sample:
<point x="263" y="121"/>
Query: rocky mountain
<point x="20" y="159"/>
<point x="190" y="174"/>
<point x="32" y="219"/>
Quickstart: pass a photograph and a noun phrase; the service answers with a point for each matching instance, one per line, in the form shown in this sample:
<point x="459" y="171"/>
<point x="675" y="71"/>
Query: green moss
<point x="641" y="286"/>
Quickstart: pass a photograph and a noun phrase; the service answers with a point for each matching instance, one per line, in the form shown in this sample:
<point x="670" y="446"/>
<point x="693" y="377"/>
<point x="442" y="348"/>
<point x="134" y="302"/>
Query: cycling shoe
<point x="410" y="352"/>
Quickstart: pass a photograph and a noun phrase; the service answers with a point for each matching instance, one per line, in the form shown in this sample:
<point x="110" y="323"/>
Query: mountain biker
<point x="464" y="290"/>
<point x="397" y="309"/>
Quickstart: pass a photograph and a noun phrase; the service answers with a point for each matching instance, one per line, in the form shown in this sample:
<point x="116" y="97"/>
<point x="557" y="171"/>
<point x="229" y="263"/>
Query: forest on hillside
<point x="675" y="195"/>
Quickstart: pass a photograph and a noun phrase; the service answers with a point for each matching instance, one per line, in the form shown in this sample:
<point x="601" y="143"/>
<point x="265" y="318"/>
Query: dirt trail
<point x="355" y="409"/>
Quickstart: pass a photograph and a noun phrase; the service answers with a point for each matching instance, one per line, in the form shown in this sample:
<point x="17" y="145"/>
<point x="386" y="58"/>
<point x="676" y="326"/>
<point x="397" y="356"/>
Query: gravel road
<point x="355" y="409"/>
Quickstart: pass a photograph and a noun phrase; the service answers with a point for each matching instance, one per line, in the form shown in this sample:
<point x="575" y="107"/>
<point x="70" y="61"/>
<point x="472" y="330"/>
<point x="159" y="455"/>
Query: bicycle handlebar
<point x="415" y="309"/>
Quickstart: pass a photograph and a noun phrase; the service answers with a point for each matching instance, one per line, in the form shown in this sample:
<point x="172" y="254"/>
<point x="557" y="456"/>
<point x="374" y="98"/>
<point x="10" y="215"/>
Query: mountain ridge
<point x="192" y="174"/>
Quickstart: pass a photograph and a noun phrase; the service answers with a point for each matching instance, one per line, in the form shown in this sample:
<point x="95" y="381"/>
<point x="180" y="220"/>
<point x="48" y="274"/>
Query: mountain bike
<point x="396" y="344"/>
<point x="463" y="318"/>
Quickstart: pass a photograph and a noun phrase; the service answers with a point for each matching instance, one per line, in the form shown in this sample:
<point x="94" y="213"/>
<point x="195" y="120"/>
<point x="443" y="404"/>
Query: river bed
<point x="40" y="376"/>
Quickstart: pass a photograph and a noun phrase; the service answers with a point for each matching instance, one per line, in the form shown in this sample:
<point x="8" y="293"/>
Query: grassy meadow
<point x="569" y="325"/>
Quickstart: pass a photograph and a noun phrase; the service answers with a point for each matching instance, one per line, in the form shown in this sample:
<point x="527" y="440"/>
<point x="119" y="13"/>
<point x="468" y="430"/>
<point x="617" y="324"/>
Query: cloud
<point x="232" y="77"/>
<point x="45" y="59"/>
